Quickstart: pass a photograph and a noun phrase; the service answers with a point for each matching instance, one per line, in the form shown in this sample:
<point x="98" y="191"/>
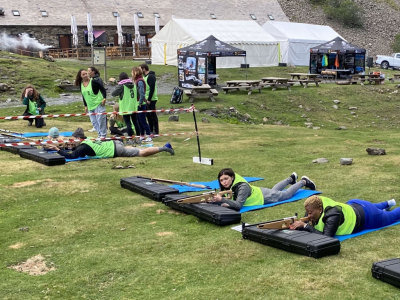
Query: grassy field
<point x="105" y="242"/>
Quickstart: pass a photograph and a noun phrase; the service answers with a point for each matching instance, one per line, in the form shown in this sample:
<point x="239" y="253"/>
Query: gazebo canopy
<point x="211" y="46"/>
<point x="337" y="45"/>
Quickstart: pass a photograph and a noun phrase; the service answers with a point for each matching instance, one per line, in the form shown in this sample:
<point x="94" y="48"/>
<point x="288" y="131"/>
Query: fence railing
<point x="85" y="53"/>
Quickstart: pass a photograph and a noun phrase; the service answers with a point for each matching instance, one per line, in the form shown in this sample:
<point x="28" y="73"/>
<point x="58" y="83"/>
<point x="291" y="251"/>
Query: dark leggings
<point x="116" y="131"/>
<point x="39" y="123"/>
<point x="144" y="127"/>
<point x="127" y="120"/>
<point x="375" y="215"/>
<point x="152" y="117"/>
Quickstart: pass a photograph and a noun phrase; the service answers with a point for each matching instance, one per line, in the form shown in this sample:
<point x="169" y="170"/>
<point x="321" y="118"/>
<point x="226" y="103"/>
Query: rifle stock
<point x="281" y="224"/>
<point x="204" y="198"/>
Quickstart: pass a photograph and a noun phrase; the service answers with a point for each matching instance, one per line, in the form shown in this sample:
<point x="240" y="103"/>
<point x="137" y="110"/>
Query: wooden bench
<point x="288" y="85"/>
<point x="226" y="89"/>
<point x="395" y="77"/>
<point x="214" y="92"/>
<point x="376" y="80"/>
<point x="328" y="75"/>
<point x="188" y="92"/>
<point x="305" y="82"/>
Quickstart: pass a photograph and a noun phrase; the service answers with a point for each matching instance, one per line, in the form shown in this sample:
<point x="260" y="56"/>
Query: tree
<point x="344" y="11"/>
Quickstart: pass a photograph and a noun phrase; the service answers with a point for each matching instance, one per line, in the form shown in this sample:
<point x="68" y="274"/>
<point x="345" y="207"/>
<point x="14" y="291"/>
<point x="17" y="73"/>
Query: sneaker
<point x="309" y="183"/>
<point x="168" y="146"/>
<point x="294" y="178"/>
<point x="131" y="142"/>
<point x="92" y="130"/>
<point x="148" y="139"/>
<point x="391" y="203"/>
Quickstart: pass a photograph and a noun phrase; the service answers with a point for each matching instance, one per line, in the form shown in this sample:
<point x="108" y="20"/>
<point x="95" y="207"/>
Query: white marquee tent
<point x="296" y="39"/>
<point x="261" y="48"/>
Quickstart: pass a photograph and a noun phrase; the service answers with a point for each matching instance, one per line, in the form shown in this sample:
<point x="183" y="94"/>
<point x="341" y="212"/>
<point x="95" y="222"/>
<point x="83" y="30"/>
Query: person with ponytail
<point x="245" y="194"/>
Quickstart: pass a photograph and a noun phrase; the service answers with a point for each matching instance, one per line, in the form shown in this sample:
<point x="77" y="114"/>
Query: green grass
<point x="75" y="212"/>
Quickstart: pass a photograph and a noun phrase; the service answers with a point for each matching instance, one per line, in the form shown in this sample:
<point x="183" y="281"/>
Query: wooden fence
<point x="85" y="53"/>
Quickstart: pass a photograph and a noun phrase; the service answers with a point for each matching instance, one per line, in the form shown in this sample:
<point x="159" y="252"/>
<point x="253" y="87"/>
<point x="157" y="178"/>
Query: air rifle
<point x="177" y="182"/>
<point x="204" y="198"/>
<point x="281" y="223"/>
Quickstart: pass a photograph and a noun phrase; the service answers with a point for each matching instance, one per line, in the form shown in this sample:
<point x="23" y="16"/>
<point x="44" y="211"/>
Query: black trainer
<point x="294" y="178"/>
<point x="309" y="183"/>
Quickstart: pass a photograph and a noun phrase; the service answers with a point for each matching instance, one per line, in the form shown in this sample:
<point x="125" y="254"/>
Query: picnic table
<point x="276" y="82"/>
<point x="375" y="78"/>
<point x="304" y="79"/>
<point x="249" y="85"/>
<point x="395" y="77"/>
<point x="201" y="91"/>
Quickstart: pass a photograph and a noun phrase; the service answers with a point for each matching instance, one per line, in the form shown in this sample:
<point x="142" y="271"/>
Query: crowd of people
<point x="139" y="93"/>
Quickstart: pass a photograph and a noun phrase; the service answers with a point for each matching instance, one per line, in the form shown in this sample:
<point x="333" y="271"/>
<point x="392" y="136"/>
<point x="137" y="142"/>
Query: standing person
<point x="94" y="98"/>
<point x="107" y="149"/>
<point x="95" y="75"/>
<point x="34" y="105"/>
<point x="331" y="218"/>
<point x="127" y="92"/>
<point x="246" y="195"/>
<point x="151" y="97"/>
<point x="141" y="92"/>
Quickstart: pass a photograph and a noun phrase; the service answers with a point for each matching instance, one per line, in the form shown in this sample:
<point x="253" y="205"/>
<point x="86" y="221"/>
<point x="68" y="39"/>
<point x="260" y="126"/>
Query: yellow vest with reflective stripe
<point x="348" y="212"/>
<point x="256" y="197"/>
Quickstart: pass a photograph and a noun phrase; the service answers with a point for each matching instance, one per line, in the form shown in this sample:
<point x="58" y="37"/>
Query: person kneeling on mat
<point x="107" y="148"/>
<point x="246" y="195"/>
<point x="332" y="218"/>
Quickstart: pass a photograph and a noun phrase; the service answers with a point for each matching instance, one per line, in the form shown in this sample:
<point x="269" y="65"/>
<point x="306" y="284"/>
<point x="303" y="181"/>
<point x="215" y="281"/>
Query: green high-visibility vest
<point x="92" y="100"/>
<point x="146" y="95"/>
<point x="128" y="101"/>
<point x="102" y="149"/>
<point x="32" y="107"/>
<point x="348" y="212"/>
<point x="256" y="197"/>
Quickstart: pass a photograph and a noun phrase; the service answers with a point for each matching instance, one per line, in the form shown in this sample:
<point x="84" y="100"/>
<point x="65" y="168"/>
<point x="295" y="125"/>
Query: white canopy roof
<point x="297" y="32"/>
<point x="187" y="32"/>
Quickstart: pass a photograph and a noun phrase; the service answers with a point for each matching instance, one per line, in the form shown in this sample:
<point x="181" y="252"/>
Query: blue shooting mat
<point x="33" y="134"/>
<point x="349" y="236"/>
<point x="211" y="184"/>
<point x="83" y="158"/>
<point x="300" y="194"/>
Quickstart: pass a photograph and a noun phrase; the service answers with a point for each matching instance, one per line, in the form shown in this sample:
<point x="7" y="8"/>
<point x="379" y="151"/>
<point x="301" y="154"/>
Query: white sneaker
<point x="391" y="203"/>
<point x="92" y="130"/>
<point x="148" y="139"/>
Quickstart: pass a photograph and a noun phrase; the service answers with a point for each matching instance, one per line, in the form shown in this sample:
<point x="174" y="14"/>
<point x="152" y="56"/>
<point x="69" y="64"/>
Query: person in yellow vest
<point x="151" y="97"/>
<point x="94" y="98"/>
<point x="127" y="93"/>
<point x="245" y="194"/>
<point x="34" y="105"/>
<point x="332" y="218"/>
<point x="107" y="149"/>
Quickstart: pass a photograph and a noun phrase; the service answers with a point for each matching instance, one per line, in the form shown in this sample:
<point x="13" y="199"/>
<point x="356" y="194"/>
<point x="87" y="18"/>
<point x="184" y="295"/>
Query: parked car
<point x="386" y="62"/>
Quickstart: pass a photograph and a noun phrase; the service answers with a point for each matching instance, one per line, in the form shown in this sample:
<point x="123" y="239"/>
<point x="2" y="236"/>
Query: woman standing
<point x="141" y="93"/>
<point x="245" y="194"/>
<point x="94" y="99"/>
<point x="126" y="90"/>
<point x="95" y="75"/>
<point x="34" y="105"/>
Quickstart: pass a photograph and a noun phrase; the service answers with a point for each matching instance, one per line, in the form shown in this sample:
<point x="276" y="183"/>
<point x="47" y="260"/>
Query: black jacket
<point x="119" y="90"/>
<point x="151" y="81"/>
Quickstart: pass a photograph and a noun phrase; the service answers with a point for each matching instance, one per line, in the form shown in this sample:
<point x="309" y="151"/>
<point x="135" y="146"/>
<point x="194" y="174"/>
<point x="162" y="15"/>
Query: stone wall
<point x="49" y="35"/>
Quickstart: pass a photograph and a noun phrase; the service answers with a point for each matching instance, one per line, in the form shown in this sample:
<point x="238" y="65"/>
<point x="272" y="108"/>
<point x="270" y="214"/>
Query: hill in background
<point x="381" y="22"/>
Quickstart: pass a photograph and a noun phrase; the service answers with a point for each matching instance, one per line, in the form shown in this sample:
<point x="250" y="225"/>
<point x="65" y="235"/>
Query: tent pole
<point x="245" y="62"/>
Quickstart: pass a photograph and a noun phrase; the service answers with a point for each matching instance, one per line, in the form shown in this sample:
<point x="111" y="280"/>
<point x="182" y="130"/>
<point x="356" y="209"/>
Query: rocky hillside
<point x="381" y="22"/>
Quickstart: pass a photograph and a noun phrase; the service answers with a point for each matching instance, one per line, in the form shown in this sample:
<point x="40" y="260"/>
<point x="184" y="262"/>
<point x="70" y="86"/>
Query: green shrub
<point x="396" y="43"/>
<point x="344" y="11"/>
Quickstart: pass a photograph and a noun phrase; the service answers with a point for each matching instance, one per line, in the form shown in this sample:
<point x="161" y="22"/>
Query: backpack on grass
<point x="176" y="96"/>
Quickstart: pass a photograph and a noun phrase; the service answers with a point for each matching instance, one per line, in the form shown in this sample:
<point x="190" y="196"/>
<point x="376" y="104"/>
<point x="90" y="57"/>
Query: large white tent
<point x="296" y="39"/>
<point x="261" y="48"/>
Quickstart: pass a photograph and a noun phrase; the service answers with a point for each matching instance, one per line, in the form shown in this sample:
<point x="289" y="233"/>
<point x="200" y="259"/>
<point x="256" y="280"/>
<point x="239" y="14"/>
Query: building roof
<point x="59" y="12"/>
